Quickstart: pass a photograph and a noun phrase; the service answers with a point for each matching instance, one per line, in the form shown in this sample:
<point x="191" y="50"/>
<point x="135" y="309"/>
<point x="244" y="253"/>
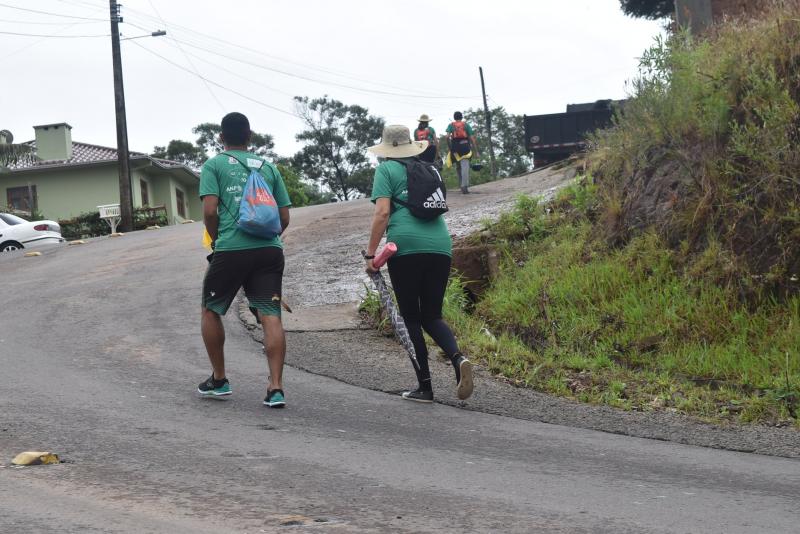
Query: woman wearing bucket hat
<point x="425" y="132"/>
<point x="421" y="267"/>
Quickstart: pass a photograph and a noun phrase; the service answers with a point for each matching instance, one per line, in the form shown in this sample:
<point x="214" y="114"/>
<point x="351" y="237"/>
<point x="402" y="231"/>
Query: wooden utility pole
<point x="125" y="196"/>
<point x="488" y="126"/>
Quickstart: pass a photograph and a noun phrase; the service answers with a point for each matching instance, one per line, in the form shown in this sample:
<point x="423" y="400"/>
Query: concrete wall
<point x="188" y="192"/>
<point x="166" y="186"/>
<point x="69" y="192"/>
<point x="66" y="193"/>
<point x="195" y="204"/>
<point x="161" y="191"/>
<point x="53" y="141"/>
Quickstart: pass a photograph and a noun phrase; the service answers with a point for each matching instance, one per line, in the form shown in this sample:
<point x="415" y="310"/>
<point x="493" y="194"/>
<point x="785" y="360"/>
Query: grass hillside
<point x="666" y="278"/>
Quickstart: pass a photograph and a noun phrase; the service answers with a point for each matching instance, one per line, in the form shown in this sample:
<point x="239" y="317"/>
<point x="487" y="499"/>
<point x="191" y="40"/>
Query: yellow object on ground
<point x="206" y="239"/>
<point x="35" y="458"/>
<point x="77" y="242"/>
<point x="30" y="254"/>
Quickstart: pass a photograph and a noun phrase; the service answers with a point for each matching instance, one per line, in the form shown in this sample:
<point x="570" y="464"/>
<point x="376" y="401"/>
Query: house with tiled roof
<point x="67" y="178"/>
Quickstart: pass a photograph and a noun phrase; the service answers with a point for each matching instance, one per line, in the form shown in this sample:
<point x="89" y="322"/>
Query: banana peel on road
<point x="35" y="458"/>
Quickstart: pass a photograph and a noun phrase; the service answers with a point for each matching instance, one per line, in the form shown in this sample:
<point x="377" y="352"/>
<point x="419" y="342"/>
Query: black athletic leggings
<point x="419" y="282"/>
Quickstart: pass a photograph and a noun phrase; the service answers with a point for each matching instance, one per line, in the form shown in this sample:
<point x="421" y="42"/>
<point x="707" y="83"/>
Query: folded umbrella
<point x="385" y="295"/>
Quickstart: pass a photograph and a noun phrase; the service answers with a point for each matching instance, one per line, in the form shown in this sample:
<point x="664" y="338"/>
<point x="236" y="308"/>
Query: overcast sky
<point x="397" y="58"/>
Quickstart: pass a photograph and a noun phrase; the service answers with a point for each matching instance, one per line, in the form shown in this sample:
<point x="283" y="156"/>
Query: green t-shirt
<point x="224" y="177"/>
<point x="412" y="235"/>
<point x="431" y="137"/>
<point x="467" y="127"/>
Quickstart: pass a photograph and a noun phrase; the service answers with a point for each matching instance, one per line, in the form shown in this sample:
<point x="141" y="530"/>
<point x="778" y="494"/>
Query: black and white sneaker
<point x="215" y="388"/>
<point x="464" y="382"/>
<point x="418" y="395"/>
<point x="275" y="399"/>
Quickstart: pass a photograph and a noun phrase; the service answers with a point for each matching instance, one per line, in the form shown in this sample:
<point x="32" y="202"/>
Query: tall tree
<point x="183" y="152"/>
<point x="336" y="138"/>
<point x="261" y="144"/>
<point x="507" y="134"/>
<point x="648" y="9"/>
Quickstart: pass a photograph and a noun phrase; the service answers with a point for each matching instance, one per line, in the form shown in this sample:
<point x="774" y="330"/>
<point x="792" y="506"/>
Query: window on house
<point x="22" y="198"/>
<point x="145" y="193"/>
<point x="181" y="203"/>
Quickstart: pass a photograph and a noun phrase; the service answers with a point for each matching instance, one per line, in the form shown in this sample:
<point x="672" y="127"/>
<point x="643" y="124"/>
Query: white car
<point x="17" y="233"/>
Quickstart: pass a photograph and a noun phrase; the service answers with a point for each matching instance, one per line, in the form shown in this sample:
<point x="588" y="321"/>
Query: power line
<point x="256" y="82"/>
<point x="304" y="65"/>
<point x="34" y="43"/>
<point x="83" y="5"/>
<point x="48" y="13"/>
<point x="215" y="84"/>
<point x="229" y="71"/>
<point x="47" y="23"/>
<point x="208" y="87"/>
<point x="49" y="36"/>
<point x="308" y="78"/>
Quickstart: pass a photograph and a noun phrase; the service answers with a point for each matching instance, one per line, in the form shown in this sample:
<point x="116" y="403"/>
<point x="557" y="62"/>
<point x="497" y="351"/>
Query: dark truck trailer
<point x="556" y="136"/>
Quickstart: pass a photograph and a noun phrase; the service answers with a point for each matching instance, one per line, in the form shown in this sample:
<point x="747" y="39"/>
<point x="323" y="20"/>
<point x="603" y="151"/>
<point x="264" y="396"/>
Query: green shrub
<point x="706" y="150"/>
<point x="90" y="224"/>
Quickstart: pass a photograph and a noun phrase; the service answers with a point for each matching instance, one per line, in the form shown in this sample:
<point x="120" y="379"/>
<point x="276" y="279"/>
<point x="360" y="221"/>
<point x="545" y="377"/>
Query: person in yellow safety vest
<point x="462" y="143"/>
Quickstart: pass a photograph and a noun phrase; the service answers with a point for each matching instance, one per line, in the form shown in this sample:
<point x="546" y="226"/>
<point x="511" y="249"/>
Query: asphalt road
<point x="100" y="355"/>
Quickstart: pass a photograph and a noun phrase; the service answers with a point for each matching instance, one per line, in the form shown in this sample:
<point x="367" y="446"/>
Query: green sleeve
<point x="469" y="129"/>
<point x="433" y="132"/>
<point x="279" y="190"/>
<point x="381" y="187"/>
<point x="449" y="128"/>
<point x="209" y="183"/>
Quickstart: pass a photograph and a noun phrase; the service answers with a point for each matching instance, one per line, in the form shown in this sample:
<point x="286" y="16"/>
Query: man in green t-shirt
<point x="463" y="145"/>
<point x="240" y="259"/>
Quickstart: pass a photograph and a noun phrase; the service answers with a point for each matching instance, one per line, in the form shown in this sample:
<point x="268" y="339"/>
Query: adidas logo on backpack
<point x="436" y="200"/>
<point x="427" y="195"/>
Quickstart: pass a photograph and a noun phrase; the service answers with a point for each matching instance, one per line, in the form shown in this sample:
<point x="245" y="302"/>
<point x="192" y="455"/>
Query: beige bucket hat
<point x="424" y="118"/>
<point x="396" y="143"/>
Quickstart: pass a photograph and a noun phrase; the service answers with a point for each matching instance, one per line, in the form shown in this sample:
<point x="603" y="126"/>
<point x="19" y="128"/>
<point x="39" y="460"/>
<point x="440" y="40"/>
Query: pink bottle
<point x="383" y="256"/>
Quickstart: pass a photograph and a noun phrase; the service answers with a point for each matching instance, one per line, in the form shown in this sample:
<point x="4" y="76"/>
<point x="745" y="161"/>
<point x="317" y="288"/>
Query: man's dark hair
<point x="458" y="116"/>
<point x="235" y="129"/>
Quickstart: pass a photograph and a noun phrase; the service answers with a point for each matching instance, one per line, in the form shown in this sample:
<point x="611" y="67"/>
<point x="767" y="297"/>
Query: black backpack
<point x="427" y="195"/>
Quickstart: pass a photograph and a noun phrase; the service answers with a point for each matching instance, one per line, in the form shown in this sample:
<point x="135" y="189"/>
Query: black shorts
<point x="258" y="270"/>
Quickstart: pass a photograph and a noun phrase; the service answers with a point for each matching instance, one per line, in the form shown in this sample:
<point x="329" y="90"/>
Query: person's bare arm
<point x="210" y="216"/>
<point x="380" y="220"/>
<point x="284" y="214"/>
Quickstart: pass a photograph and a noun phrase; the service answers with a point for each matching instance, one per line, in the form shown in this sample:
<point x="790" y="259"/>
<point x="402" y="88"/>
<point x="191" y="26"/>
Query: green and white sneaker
<point x="214" y="388"/>
<point x="275" y="398"/>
